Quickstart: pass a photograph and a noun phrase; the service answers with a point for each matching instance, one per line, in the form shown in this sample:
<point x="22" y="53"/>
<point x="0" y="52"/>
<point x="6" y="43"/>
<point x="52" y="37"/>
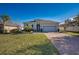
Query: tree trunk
<point x="3" y="27"/>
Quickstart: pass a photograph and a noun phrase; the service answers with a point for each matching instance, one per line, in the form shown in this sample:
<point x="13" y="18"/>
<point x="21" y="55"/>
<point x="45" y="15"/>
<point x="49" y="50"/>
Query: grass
<point x="26" y="44"/>
<point x="73" y="33"/>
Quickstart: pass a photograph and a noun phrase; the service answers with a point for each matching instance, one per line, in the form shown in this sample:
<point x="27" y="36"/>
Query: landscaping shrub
<point x="1" y="31"/>
<point x="6" y="32"/>
<point x="16" y="31"/>
<point x="28" y="28"/>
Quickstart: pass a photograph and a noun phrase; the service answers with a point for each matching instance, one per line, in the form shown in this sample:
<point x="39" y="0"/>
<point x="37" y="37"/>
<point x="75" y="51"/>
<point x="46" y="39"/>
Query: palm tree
<point x="4" y="19"/>
<point x="67" y="21"/>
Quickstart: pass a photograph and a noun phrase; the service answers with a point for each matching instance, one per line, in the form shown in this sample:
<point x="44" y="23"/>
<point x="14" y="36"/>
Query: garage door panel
<point x="49" y="29"/>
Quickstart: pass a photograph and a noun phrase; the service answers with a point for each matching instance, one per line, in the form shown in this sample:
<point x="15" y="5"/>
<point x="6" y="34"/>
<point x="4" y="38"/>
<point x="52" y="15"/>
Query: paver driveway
<point x="66" y="44"/>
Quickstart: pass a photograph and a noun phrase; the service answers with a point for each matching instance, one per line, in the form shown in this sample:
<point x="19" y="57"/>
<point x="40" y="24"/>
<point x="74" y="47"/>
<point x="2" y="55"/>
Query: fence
<point x="72" y="28"/>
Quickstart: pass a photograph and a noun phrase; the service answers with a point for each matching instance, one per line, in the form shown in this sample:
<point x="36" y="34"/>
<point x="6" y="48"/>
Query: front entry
<point x="38" y="27"/>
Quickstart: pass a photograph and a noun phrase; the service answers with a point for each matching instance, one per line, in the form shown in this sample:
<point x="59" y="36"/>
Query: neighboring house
<point x="61" y="27"/>
<point x="71" y="26"/>
<point x="41" y="25"/>
<point x="8" y="26"/>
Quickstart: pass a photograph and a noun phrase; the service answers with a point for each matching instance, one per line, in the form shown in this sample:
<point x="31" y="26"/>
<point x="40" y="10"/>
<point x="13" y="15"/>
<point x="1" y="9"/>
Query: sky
<point x="22" y="12"/>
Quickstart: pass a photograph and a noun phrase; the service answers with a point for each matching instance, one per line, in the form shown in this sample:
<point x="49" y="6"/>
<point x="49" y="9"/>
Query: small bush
<point x="6" y="32"/>
<point x="28" y="29"/>
<point x="1" y="31"/>
<point x="16" y="31"/>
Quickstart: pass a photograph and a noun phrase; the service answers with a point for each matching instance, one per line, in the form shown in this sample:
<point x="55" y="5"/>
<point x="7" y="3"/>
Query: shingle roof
<point x="43" y="20"/>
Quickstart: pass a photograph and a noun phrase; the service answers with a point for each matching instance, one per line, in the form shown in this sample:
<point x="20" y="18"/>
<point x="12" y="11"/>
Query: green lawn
<point x="72" y="33"/>
<point x="29" y="44"/>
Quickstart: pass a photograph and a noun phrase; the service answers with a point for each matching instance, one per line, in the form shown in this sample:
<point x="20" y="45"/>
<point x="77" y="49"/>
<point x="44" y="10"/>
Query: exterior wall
<point x="61" y="28"/>
<point x="72" y="28"/>
<point x="9" y="28"/>
<point x="34" y="26"/>
<point x="47" y="23"/>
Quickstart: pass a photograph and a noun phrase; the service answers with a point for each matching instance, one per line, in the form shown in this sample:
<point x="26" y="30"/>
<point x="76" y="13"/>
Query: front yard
<point x="29" y="44"/>
<point x="73" y="33"/>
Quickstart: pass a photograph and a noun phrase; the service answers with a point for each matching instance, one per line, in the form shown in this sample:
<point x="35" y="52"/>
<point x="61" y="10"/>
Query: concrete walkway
<point x="66" y="44"/>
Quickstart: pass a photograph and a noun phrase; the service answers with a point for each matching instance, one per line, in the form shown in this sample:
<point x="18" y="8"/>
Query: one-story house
<point x="41" y="25"/>
<point x="9" y="25"/>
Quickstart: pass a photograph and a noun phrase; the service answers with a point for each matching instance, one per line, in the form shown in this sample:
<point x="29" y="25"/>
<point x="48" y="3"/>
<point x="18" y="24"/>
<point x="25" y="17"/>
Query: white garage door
<point x="49" y="29"/>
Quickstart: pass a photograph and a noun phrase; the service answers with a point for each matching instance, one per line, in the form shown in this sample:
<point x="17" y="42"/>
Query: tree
<point x="67" y="21"/>
<point x="76" y="19"/>
<point x="4" y="19"/>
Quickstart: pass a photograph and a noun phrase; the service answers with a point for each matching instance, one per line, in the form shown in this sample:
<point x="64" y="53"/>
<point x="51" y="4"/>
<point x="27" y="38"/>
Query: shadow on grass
<point x="45" y="49"/>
